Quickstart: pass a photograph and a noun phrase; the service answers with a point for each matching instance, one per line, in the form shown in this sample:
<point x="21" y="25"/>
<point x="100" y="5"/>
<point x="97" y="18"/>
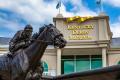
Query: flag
<point x="58" y="5"/>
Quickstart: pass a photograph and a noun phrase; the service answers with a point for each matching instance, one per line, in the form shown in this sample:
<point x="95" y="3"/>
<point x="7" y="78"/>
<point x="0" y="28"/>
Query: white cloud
<point x="38" y="12"/>
<point x="115" y="3"/>
<point x="79" y="8"/>
<point x="13" y="26"/>
<point x="35" y="12"/>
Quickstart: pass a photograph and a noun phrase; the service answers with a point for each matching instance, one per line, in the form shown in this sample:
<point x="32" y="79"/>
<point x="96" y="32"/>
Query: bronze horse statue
<point x="26" y="59"/>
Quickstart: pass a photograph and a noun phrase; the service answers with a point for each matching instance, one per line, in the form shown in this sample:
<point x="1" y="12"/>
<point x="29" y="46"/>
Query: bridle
<point x="40" y="40"/>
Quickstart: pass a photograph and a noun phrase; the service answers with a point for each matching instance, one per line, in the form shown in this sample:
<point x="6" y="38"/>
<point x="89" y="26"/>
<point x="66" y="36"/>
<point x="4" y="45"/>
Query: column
<point x="104" y="57"/>
<point x="58" y="61"/>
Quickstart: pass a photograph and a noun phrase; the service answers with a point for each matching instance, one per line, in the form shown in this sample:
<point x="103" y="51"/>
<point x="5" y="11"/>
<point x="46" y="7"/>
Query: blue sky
<point x="15" y="14"/>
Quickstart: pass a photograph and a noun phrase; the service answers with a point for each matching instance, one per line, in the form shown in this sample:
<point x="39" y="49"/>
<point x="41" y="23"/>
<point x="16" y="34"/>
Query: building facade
<point x="89" y="46"/>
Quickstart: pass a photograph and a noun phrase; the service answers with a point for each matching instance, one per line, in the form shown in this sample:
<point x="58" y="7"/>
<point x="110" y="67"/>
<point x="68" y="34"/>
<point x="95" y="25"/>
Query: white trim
<point x="90" y="61"/>
<point x="104" y="57"/>
<point x="75" y="63"/>
<point x="58" y="61"/>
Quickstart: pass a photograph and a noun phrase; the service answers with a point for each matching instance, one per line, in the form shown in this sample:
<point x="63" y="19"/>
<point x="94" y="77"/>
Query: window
<point x="47" y="71"/>
<point x="80" y="63"/>
<point x="45" y="66"/>
<point x="68" y="64"/>
<point x="96" y="62"/>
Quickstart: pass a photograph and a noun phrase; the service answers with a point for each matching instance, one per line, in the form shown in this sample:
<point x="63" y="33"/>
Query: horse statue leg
<point x="36" y="73"/>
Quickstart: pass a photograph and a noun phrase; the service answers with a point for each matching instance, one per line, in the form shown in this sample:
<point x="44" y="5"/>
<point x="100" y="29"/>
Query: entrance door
<point x="80" y="63"/>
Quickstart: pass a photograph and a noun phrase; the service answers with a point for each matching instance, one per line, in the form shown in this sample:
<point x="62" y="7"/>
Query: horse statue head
<point x="52" y="36"/>
<point x="47" y="35"/>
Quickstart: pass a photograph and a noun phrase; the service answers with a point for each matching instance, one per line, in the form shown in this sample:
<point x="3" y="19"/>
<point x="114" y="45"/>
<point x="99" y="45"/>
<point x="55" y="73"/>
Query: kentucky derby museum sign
<point x="82" y="28"/>
<point x="80" y="32"/>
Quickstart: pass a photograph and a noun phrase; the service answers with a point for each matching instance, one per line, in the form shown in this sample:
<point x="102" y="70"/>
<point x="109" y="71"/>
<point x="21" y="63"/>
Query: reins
<point x="40" y="40"/>
<point x="43" y="40"/>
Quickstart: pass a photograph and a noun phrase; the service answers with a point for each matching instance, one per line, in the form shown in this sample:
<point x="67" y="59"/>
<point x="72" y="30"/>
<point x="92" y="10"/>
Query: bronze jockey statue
<point x="20" y="40"/>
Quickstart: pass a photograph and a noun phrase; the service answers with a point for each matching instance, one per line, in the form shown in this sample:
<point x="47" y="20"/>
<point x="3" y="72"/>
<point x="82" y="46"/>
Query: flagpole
<point x="59" y="7"/>
<point x="59" y="10"/>
<point x="101" y="6"/>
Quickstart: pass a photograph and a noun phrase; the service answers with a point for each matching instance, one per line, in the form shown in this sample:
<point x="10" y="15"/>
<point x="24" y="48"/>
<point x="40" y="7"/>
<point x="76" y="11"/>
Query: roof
<point x="115" y="42"/>
<point x="4" y="40"/>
